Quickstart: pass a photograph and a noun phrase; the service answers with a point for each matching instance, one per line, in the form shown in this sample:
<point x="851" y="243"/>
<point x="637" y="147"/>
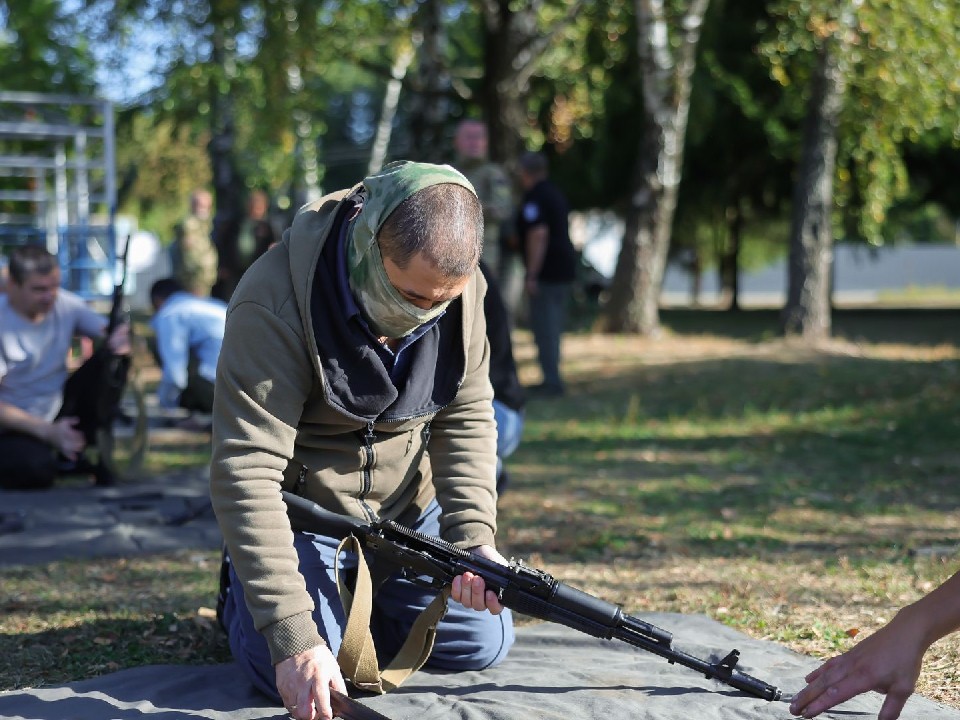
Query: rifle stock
<point x="435" y="562"/>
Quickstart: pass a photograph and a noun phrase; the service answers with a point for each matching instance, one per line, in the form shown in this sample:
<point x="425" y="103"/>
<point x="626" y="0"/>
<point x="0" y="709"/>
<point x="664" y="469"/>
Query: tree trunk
<point x="388" y="110"/>
<point x="696" y="276"/>
<point x="431" y="104"/>
<point x="502" y="99"/>
<point x="228" y="186"/>
<point x="807" y="310"/>
<point x="634" y="305"/>
<point x="512" y="47"/>
<point x="730" y="261"/>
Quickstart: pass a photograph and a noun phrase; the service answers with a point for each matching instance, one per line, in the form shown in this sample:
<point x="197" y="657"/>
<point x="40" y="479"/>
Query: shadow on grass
<point x="913" y="326"/>
<point x="750" y="455"/>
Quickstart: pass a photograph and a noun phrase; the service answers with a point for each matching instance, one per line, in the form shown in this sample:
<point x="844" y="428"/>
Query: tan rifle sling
<point x="357" y="656"/>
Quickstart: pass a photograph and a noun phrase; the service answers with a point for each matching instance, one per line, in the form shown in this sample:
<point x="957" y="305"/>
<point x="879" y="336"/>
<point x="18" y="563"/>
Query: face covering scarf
<point x="386" y="311"/>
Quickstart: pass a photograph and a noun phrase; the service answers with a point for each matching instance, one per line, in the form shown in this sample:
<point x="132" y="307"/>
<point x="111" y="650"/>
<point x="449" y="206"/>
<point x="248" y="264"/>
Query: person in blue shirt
<point x="189" y="333"/>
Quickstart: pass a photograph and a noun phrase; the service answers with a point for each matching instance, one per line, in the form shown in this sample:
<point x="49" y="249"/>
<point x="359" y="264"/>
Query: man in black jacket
<point x="508" y="395"/>
<point x="550" y="261"/>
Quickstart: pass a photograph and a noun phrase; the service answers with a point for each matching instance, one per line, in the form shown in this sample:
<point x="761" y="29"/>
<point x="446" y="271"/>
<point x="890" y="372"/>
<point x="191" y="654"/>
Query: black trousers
<point x="91" y="395"/>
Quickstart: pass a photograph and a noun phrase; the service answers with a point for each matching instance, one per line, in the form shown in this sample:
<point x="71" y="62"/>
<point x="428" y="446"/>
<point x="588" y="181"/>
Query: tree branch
<point x="533" y="47"/>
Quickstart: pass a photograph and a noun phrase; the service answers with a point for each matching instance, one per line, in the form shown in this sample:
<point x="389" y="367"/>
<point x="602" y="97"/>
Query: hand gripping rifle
<point x="433" y="562"/>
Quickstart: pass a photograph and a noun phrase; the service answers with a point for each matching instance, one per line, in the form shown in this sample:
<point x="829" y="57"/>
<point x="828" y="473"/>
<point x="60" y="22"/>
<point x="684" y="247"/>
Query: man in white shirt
<point x="38" y="324"/>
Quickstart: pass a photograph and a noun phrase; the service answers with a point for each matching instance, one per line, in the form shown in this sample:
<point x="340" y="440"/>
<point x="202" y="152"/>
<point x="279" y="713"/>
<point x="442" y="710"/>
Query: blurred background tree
<point x="682" y="117"/>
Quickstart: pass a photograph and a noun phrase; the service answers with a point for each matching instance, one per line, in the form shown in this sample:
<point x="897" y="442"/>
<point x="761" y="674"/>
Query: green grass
<point x="844" y="436"/>
<point x="800" y="495"/>
<point x="71" y="620"/>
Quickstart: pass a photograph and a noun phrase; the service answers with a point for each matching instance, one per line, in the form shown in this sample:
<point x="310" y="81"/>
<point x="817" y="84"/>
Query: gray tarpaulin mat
<point x="163" y="514"/>
<point x="552" y="673"/>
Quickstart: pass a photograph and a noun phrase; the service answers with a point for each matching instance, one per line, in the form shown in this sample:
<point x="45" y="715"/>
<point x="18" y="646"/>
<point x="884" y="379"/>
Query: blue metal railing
<point x="87" y="255"/>
<point x="88" y="259"/>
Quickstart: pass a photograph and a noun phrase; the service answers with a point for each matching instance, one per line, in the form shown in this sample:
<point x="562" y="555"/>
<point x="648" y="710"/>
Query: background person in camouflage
<point x="492" y="185"/>
<point x="193" y="254"/>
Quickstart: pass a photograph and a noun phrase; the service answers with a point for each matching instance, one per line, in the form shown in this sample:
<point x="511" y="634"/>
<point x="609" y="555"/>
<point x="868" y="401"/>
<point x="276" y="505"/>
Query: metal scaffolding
<point x="58" y="183"/>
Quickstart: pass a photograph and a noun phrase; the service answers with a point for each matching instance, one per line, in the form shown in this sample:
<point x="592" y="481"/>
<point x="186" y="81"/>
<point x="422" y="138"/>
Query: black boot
<point x="103" y="476"/>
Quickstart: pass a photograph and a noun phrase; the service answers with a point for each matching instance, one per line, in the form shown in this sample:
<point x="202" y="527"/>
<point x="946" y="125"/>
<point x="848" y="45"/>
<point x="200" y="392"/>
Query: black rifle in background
<point x="92" y="394"/>
<point x="433" y="562"/>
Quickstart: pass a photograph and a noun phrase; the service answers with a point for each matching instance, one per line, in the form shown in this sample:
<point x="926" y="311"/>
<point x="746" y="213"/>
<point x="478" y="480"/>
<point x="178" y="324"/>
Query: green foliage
<point x="39" y="50"/>
<point x="900" y="71"/>
<point x="586" y="105"/>
<point x="169" y="160"/>
<point x="290" y="77"/>
<point x="740" y="145"/>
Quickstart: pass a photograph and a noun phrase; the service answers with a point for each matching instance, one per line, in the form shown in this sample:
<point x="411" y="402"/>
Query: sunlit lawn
<point x="800" y="495"/>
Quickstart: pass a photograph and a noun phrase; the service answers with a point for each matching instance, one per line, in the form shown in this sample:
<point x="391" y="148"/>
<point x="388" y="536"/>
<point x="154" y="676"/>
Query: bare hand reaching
<point x="888" y="662"/>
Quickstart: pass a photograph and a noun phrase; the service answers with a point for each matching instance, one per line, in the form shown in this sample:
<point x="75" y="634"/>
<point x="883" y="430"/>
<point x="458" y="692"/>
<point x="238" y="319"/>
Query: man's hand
<point x="888" y="662"/>
<point x="119" y="340"/>
<point x="304" y="683"/>
<point x="471" y="591"/>
<point x="65" y="437"/>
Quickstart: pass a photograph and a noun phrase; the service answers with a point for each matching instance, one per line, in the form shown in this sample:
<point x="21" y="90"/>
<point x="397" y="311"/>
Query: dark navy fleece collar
<point x="360" y="382"/>
<point x="397" y="361"/>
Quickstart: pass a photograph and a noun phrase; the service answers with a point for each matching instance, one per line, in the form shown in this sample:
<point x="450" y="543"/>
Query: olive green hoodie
<point x="284" y="418"/>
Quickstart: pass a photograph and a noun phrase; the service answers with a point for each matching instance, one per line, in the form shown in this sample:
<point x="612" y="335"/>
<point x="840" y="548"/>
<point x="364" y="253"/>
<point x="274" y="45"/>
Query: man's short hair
<point x="534" y="164"/>
<point x="164" y="288"/>
<point x="28" y="260"/>
<point x="444" y="222"/>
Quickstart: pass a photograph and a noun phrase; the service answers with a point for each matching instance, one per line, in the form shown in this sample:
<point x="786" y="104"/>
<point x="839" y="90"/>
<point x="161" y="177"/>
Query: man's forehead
<point x="36" y="279"/>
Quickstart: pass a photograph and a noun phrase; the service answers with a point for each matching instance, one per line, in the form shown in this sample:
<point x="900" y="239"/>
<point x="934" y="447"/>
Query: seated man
<point x="189" y="333"/>
<point x="46" y="421"/>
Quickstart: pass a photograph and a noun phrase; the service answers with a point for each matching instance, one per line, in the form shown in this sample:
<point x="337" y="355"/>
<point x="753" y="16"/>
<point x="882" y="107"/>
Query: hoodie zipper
<point x="366" y="472"/>
<point x="369" y="457"/>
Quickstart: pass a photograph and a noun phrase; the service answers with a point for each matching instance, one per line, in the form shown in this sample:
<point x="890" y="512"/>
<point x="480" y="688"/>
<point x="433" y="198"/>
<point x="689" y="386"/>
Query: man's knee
<point x="474" y="645"/>
<point x="27" y="465"/>
<point x="494" y="646"/>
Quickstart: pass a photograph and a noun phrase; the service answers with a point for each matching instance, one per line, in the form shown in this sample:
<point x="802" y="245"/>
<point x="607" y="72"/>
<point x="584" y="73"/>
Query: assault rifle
<point x="105" y="375"/>
<point x="93" y="392"/>
<point x="434" y="563"/>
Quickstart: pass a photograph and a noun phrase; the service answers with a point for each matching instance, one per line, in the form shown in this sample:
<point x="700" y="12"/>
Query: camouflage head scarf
<point x="386" y="311"/>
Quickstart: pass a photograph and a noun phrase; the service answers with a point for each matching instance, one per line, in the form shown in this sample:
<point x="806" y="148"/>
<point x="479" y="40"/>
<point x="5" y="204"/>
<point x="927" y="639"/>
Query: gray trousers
<point x="548" y="317"/>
